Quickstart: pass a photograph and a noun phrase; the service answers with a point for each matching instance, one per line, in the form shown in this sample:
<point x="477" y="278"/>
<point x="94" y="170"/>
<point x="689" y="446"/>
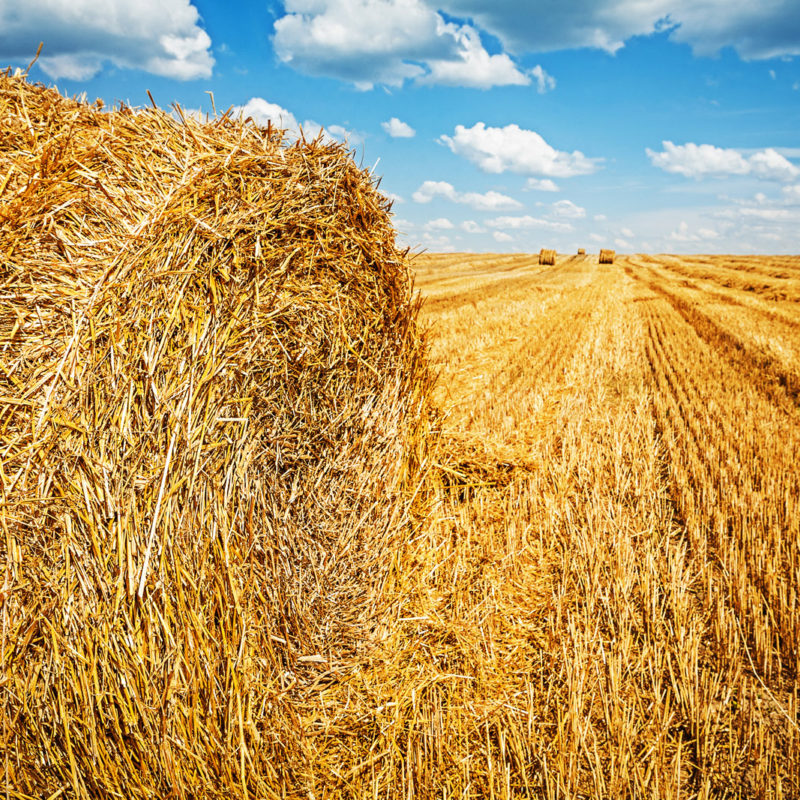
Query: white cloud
<point x="500" y="236"/>
<point x="597" y="237"/>
<point x="473" y="67"/>
<point x="543" y="185"/>
<point x="622" y="244"/>
<point x="440" y="224"/>
<point x="627" y="232"/>
<point x="470" y="226"/>
<point x="368" y="42"/>
<point x="544" y="82"/>
<point x="488" y="201"/>
<point x="772" y="74"/>
<point x="527" y="222"/>
<point x="568" y="209"/>
<point x="517" y="150"/>
<point x="705" y="160"/>
<point x="361" y="41"/>
<point x="599" y="217"/>
<point x="163" y="37"/>
<point x="397" y="129"/>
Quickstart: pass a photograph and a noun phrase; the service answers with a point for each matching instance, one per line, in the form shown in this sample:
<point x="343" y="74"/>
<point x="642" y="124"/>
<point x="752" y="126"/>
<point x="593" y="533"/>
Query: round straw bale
<point x="547" y="256"/>
<point x="607" y="256"/>
<point x="214" y="403"/>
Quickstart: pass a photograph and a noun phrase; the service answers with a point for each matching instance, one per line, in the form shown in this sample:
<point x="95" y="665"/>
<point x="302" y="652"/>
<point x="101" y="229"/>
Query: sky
<point x="505" y="126"/>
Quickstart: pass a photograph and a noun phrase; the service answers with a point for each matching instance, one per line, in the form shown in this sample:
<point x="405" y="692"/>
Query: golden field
<point x="617" y="579"/>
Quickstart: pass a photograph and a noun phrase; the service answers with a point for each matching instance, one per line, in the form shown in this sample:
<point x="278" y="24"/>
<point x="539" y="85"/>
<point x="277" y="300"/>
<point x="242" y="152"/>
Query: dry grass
<point x="639" y="563"/>
<point x="240" y="559"/>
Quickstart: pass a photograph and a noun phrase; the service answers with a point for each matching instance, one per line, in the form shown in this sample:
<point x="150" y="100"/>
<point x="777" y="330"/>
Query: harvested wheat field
<point x="624" y="555"/>
<point x="251" y="549"/>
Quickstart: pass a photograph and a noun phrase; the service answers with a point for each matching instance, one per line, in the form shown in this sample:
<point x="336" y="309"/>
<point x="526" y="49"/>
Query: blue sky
<point x="644" y="125"/>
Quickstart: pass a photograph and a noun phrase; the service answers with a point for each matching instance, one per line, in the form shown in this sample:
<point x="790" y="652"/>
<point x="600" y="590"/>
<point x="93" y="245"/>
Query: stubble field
<point x="607" y="596"/>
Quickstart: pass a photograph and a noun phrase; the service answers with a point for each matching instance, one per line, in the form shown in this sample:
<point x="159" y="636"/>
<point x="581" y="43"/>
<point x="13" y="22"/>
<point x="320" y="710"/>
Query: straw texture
<point x="213" y="400"/>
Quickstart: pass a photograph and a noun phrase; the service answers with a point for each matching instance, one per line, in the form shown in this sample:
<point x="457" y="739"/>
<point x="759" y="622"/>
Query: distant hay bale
<point x="547" y="256"/>
<point x="213" y="404"/>
<point x="607" y="256"/>
<point x="581" y="251"/>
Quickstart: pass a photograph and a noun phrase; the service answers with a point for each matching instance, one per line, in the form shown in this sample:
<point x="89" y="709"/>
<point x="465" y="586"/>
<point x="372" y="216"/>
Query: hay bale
<point x="581" y="251"/>
<point x="213" y="398"/>
<point x="547" y="256"/>
<point x="607" y="256"/>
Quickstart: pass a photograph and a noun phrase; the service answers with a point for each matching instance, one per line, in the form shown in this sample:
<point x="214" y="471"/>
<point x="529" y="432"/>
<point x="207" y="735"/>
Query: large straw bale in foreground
<point x="213" y="397"/>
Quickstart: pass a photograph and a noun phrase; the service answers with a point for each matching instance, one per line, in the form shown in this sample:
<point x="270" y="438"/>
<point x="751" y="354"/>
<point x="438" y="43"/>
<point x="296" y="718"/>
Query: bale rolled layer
<point x="213" y="404"/>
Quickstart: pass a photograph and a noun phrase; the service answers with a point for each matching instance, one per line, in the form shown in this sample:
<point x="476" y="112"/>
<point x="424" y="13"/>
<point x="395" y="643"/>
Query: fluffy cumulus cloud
<point x="370" y="42"/>
<point x="470" y="226"/>
<point x="472" y="66"/>
<point x="706" y="160"/>
<point x="487" y="201"/>
<point x="164" y="37"/>
<point x="397" y="129"/>
<point x="516" y="149"/>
